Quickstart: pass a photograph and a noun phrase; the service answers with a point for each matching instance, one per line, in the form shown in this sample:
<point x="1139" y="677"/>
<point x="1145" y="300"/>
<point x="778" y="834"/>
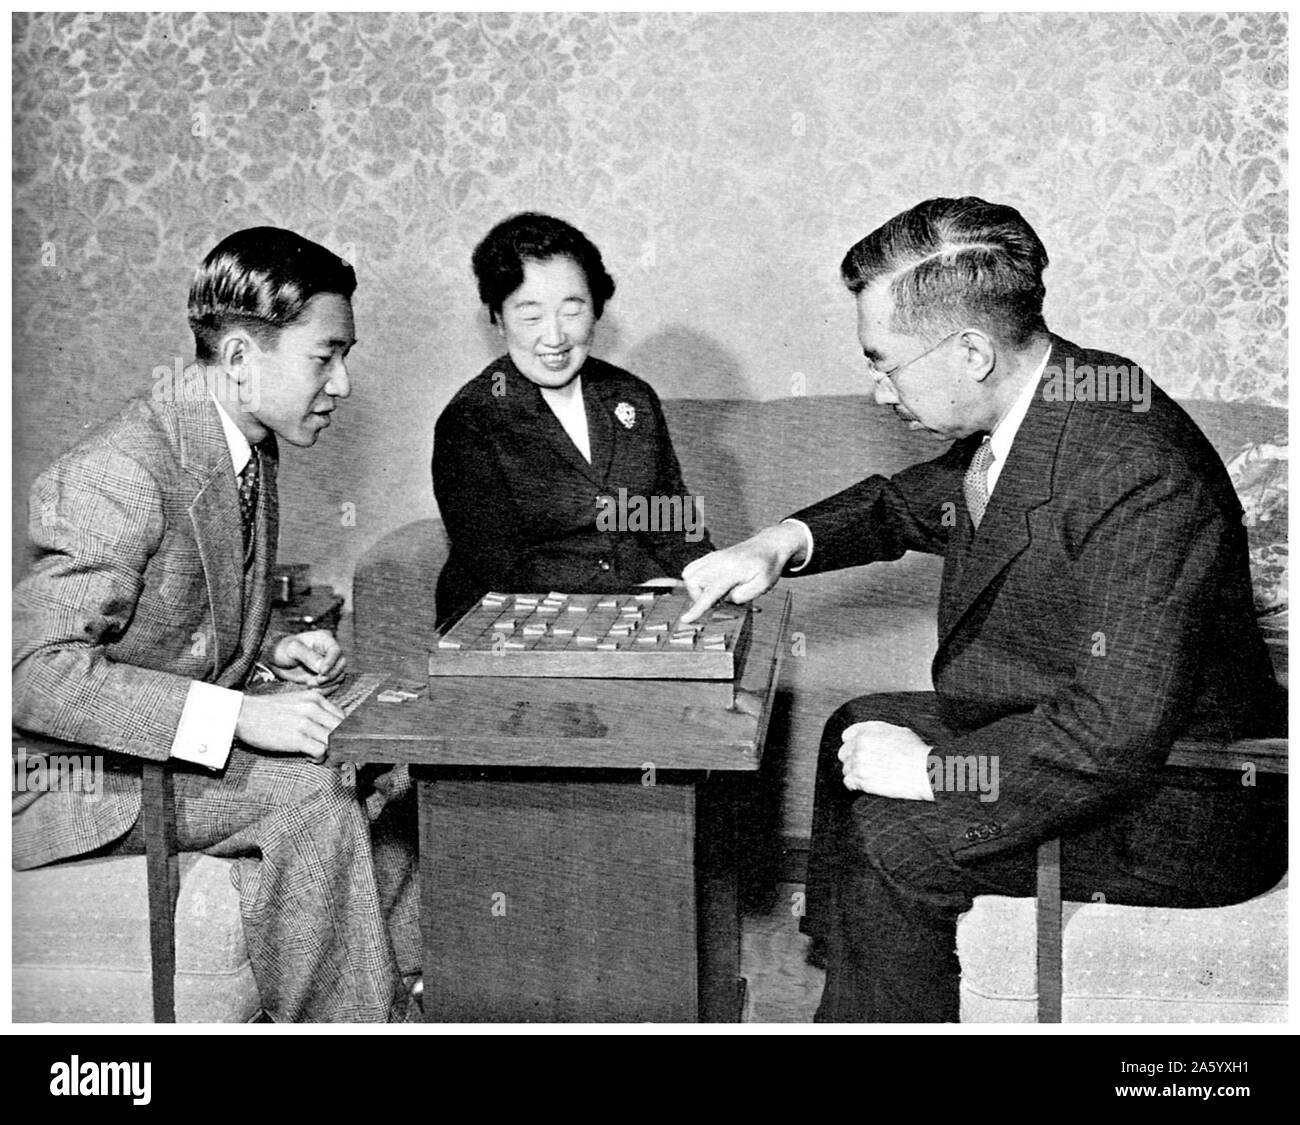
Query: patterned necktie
<point x="976" y="482"/>
<point x="249" y="479"/>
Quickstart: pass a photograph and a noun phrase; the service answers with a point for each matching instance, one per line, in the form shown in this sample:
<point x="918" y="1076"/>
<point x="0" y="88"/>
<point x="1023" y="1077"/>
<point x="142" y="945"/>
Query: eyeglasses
<point x="877" y="374"/>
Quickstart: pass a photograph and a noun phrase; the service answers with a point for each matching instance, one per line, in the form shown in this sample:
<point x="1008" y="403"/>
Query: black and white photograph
<point x="651" y="518"/>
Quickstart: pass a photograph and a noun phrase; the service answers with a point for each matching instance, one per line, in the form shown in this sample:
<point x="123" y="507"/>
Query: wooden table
<point x="578" y="837"/>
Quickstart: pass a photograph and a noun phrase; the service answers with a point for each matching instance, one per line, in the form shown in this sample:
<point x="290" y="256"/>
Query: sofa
<point x="873" y="629"/>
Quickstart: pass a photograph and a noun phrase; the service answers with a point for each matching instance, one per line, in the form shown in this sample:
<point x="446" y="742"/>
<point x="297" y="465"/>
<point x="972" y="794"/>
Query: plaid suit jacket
<point x="1102" y="609"/>
<point x="139" y="588"/>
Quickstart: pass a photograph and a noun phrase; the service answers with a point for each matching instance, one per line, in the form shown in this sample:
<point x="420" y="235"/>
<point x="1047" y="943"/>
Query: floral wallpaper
<point x="723" y="163"/>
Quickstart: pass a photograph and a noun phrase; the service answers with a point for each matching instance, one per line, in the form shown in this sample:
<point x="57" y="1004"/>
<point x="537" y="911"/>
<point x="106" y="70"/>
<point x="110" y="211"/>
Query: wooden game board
<point x="597" y="636"/>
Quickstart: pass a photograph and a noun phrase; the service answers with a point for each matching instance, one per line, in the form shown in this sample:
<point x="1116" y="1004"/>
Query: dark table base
<point x="600" y="899"/>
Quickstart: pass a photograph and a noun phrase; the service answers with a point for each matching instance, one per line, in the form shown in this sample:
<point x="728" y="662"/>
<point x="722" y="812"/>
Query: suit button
<point x="603" y="564"/>
<point x="972" y="835"/>
<point x="995" y="828"/>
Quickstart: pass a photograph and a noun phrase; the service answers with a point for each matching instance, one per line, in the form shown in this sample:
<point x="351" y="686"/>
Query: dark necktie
<point x="976" y="482"/>
<point x="249" y="481"/>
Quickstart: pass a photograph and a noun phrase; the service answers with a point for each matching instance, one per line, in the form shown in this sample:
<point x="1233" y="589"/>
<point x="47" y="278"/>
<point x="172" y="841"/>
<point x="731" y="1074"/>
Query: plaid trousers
<point x="328" y="883"/>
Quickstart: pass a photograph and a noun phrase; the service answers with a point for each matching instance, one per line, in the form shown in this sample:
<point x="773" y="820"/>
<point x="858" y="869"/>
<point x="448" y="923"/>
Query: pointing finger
<point x="704" y="600"/>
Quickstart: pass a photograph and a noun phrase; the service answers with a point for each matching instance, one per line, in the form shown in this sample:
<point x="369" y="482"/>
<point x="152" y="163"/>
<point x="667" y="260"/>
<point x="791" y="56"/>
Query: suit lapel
<point x="975" y="558"/>
<point x="214" y="516"/>
<point x="602" y="431"/>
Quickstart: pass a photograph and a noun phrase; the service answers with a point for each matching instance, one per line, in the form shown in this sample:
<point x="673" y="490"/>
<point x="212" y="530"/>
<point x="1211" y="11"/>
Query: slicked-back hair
<point x="260" y="280"/>
<point x="953" y="264"/>
<point x="499" y="259"/>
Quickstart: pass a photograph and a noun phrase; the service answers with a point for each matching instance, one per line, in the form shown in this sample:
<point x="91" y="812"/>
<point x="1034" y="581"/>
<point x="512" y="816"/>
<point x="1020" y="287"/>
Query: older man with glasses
<point x="1095" y="606"/>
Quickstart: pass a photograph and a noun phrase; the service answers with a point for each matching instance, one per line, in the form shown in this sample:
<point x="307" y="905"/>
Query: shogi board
<point x="593" y="636"/>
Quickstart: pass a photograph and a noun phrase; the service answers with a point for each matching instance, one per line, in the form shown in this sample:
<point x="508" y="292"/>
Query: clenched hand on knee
<point x="888" y="760"/>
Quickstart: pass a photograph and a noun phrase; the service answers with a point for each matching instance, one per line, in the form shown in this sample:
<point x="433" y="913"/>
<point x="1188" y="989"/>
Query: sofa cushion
<point x="1130" y="964"/>
<point x="81" y="944"/>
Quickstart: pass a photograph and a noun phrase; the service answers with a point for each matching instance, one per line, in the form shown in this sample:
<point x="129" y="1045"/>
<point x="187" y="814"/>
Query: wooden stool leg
<point x="163" y="865"/>
<point x="1049" y="932"/>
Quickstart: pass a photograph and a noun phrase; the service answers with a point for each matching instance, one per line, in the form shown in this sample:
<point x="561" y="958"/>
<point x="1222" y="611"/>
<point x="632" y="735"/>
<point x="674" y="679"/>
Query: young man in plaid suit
<point x="146" y="611"/>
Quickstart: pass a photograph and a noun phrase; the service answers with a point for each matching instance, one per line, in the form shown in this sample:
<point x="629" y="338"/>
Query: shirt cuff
<point x="807" y="546"/>
<point x="207" y="726"/>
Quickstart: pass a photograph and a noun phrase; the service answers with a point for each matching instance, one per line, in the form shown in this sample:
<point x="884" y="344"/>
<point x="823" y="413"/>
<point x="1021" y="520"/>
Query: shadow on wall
<point x="682" y="362"/>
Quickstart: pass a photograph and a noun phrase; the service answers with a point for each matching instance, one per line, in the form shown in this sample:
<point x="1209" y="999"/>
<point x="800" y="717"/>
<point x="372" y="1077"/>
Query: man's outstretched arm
<point x="875" y="520"/>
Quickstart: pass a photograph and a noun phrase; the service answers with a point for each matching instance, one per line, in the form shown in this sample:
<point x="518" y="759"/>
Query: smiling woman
<point x="527" y="455"/>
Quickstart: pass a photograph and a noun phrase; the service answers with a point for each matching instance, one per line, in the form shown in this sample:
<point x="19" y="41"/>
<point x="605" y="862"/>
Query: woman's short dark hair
<point x="531" y="237"/>
<point x="260" y="280"/>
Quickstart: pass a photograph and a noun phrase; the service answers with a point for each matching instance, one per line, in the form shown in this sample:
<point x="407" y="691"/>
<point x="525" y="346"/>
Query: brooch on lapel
<point x="625" y="412"/>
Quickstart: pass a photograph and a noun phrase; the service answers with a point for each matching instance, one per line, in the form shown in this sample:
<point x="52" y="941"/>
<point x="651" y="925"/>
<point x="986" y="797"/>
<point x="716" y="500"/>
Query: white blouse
<point x="567" y="405"/>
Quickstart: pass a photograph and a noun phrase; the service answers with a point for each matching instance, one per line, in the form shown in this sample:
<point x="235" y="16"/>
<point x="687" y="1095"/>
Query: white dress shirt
<point x="1004" y="433"/>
